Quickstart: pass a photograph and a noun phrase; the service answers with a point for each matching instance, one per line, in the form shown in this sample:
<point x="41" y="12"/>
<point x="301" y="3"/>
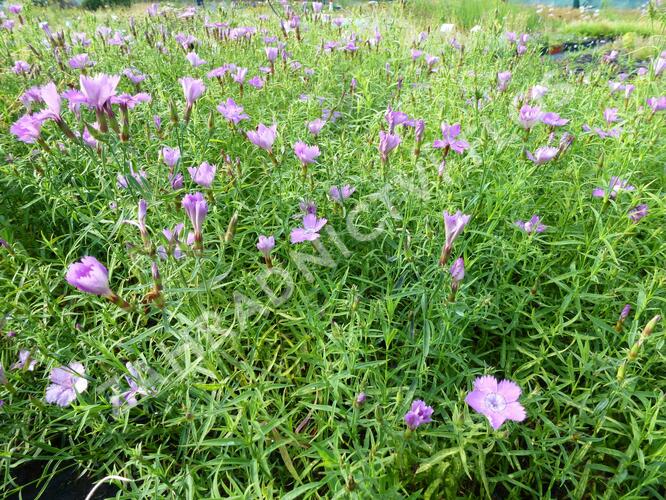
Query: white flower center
<point x="495" y="402"/>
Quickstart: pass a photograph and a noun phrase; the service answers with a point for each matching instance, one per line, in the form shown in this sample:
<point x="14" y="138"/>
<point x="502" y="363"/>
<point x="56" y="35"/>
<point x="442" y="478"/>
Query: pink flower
<point x="128" y="101"/>
<point x="315" y="126"/>
<point x="196" y="208"/>
<point x="27" y="128"/>
<point x="457" y="270"/>
<point x="611" y="56"/>
<point x="221" y="71"/>
<point x="338" y="194"/>
<point x="33" y="94"/>
<point x="454" y="224"/>
<point x="203" y="174"/>
<point x="615" y="87"/>
<point x="80" y="38"/>
<point x="553" y="120"/>
<point x="134" y="76"/>
<point x="67" y="382"/>
<point x="265" y="244"/>
<point x="232" y="112"/>
<point x="173" y="245"/>
<point x="25" y="361"/>
<point x="192" y="89"/>
<point x="256" y="82"/>
<point x="657" y="103"/>
<point x="529" y="116"/>
<point x="170" y="156"/>
<point x="449" y="141"/>
<point x="239" y="75"/>
<point x="659" y="64"/>
<point x="138" y="177"/>
<point x="89" y="275"/>
<point x="610" y="115"/>
<point x="503" y="79"/>
<point x="88" y="138"/>
<point x="186" y="41"/>
<point x="431" y="61"/>
<point x="418" y="414"/>
<point x="306" y="154"/>
<point x="129" y="397"/>
<point x="140" y="222"/>
<point x="543" y="154"/>
<point x="638" y="212"/>
<point x="21" y="67"/>
<point x="271" y="53"/>
<point x="537" y="92"/>
<point x="263" y="136"/>
<point x="419" y="131"/>
<point x="497" y="401"/>
<point x="99" y="90"/>
<point x="616" y="186"/>
<point x="612" y="132"/>
<point x="533" y="225"/>
<point x="80" y="61"/>
<point x="395" y="118"/>
<point x="194" y="59"/>
<point x="387" y="143"/>
<point x="310" y="229"/>
<point x="176" y="181"/>
<point x="76" y="99"/>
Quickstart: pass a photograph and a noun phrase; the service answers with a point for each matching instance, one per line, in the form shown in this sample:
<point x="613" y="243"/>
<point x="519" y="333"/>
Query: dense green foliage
<point x="98" y="4"/>
<point x="255" y="375"/>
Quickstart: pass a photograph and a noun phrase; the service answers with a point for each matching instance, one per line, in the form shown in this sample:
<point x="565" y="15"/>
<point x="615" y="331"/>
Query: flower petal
<point x="486" y="384"/>
<point x="59" y="395"/>
<point x="509" y="390"/>
<point x="496" y="419"/>
<point x="515" y="411"/>
<point x="476" y="399"/>
<point x="298" y="235"/>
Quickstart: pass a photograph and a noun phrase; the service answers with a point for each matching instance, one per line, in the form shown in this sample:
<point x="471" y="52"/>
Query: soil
<point x="65" y="484"/>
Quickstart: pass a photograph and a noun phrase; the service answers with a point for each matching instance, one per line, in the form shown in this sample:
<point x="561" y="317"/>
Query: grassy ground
<point x="254" y="373"/>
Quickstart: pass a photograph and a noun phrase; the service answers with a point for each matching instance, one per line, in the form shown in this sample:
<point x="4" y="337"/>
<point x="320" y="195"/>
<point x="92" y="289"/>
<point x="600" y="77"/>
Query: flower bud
<point x="231" y="228"/>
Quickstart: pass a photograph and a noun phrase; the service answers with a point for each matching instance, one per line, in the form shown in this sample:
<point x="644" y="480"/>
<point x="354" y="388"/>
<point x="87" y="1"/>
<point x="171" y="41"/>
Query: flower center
<point x="495" y="402"/>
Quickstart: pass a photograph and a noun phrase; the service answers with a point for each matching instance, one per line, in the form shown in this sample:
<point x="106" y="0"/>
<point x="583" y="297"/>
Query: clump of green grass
<point x="608" y="28"/>
<point x="468" y="13"/>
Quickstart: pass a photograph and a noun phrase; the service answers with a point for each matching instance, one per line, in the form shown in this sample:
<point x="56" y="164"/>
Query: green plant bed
<point x="98" y="4"/>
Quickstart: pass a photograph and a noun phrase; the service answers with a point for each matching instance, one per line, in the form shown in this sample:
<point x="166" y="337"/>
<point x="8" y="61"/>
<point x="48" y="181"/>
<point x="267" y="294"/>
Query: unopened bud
<point x="173" y="112"/>
<point x="231" y="228"/>
<point x="156" y="276"/>
<point x="649" y="328"/>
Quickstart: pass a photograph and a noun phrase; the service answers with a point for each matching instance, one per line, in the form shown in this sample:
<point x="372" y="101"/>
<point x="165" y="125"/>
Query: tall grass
<point x="468" y="13"/>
